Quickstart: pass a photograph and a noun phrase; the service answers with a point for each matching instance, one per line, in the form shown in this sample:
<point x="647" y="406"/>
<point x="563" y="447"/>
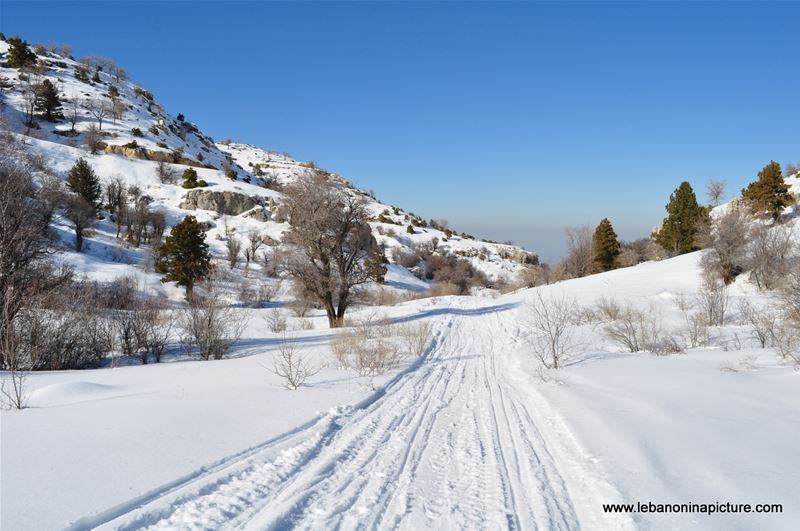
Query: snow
<point x="473" y="435"/>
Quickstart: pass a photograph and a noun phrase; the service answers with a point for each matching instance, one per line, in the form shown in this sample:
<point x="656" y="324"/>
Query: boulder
<point x="228" y="203"/>
<point x="259" y="213"/>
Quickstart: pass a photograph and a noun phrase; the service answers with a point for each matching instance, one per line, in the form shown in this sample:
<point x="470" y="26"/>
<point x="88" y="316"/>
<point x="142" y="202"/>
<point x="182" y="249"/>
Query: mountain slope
<point x="145" y="133"/>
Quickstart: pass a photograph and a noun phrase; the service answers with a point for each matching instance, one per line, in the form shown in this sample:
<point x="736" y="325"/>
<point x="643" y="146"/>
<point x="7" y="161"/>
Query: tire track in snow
<point x="451" y="444"/>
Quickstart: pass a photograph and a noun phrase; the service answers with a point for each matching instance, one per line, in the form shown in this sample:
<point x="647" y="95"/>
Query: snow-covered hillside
<point x="146" y="133"/>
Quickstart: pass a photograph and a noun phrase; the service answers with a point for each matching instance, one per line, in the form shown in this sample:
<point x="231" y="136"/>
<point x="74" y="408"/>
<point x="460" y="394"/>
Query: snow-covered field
<point x="472" y="435"/>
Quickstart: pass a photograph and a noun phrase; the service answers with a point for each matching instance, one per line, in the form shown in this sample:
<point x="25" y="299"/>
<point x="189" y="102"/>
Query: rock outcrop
<point x="228" y="203"/>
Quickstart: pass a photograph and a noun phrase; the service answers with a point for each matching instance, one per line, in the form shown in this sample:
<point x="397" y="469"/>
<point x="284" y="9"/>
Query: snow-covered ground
<point x="472" y="435"/>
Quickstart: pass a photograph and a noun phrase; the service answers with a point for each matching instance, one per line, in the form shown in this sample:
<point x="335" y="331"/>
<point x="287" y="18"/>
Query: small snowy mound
<point x="72" y="392"/>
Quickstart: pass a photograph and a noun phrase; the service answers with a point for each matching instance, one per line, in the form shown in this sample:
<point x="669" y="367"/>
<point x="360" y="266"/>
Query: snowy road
<point x="457" y="442"/>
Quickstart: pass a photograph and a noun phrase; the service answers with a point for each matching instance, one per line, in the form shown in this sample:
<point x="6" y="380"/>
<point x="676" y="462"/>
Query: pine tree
<point x="184" y="257"/>
<point x="770" y="193"/>
<point x="678" y="232"/>
<point x="83" y="181"/>
<point x="47" y="101"/>
<point x="19" y="54"/>
<point x="605" y="245"/>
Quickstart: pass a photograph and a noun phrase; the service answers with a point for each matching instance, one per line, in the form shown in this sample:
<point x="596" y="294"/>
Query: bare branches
<point x="99" y="108"/>
<point x="331" y="241"/>
<point x="551" y="328"/>
<point x="291" y="365"/>
<point x="209" y="325"/>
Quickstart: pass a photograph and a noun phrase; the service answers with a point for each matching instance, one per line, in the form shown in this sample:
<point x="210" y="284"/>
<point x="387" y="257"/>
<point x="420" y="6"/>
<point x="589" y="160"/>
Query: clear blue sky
<point x="512" y="120"/>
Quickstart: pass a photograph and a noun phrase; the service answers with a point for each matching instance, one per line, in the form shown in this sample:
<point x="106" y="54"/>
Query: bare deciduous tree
<point x="99" y="108"/>
<point x="72" y="111"/>
<point x="255" y="242"/>
<point x="580" y="254"/>
<point x="83" y="217"/>
<point x="715" y="191"/>
<point x="331" y="240"/>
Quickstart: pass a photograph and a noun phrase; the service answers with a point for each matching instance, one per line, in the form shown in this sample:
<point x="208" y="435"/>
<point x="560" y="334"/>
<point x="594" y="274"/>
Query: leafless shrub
<point x="789" y="292"/>
<point x="209" y="326"/>
<point x="406" y="259"/>
<point x="734" y="343"/>
<point x="291" y="365"/>
<point x="378" y="296"/>
<point x="13" y="385"/>
<point x="368" y="347"/>
<point x="726" y="240"/>
<point x="442" y="289"/>
<point x="305" y="324"/>
<point x="275" y="321"/>
<point x="608" y="310"/>
<point x="770" y="254"/>
<point x="550" y="328"/>
<point x="530" y="277"/>
<point x="638" y="330"/>
<point x="458" y="272"/>
<point x="713" y="300"/>
<point x="92" y="139"/>
<point x="165" y="173"/>
<point x="787" y="340"/>
<point x="695" y="321"/>
<point x="257" y="293"/>
<point x="416" y="336"/>
<point x="762" y="322"/>
<point x="342" y="345"/>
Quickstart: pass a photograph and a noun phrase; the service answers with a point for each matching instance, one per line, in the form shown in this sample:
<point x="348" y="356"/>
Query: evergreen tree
<point x="47" y="101"/>
<point x="184" y="257"/>
<point x="605" y="246"/>
<point x="678" y="233"/>
<point x="769" y="193"/>
<point x="19" y="54"/>
<point x="83" y="181"/>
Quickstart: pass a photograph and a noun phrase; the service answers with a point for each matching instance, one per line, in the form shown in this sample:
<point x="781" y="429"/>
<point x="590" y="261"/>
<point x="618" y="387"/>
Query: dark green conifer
<point x="770" y="193"/>
<point x="184" y="257"/>
<point x="82" y="180"/>
<point x="19" y="54"/>
<point x="605" y="246"/>
<point x="678" y="232"/>
<point x="47" y="101"/>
